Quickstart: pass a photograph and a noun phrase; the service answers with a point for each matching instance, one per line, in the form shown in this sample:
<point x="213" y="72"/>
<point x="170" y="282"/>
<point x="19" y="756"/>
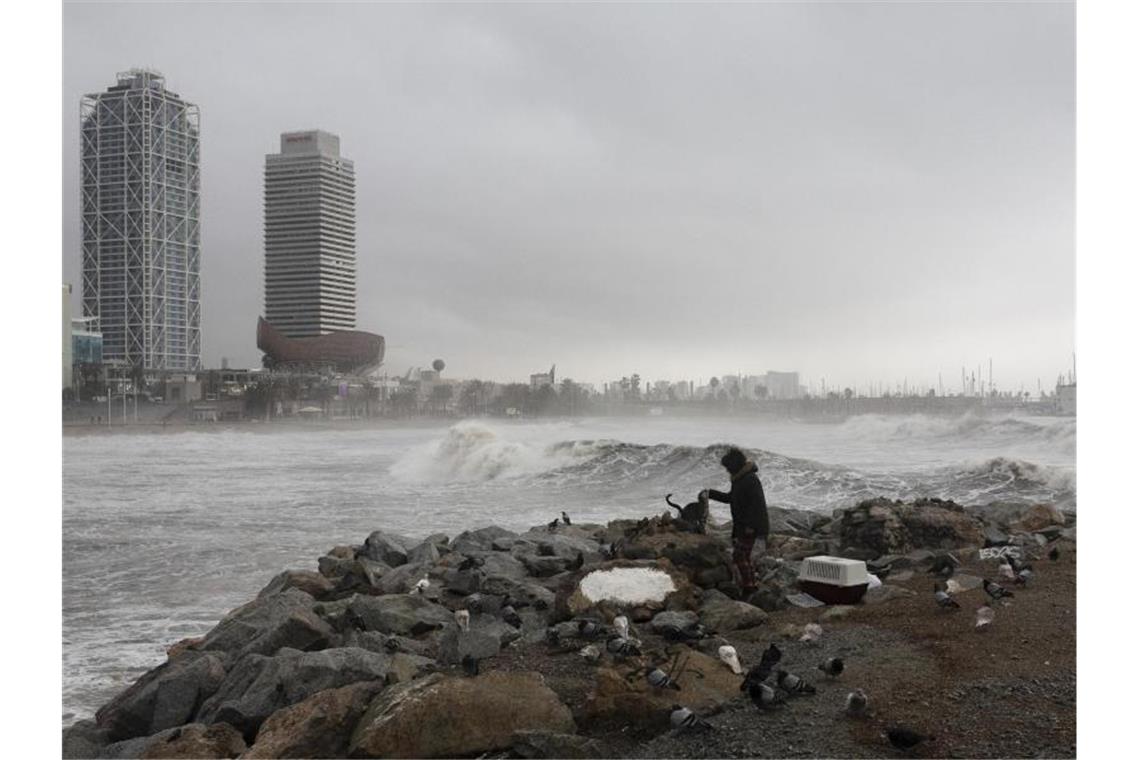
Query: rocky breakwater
<point x="383" y="651"/>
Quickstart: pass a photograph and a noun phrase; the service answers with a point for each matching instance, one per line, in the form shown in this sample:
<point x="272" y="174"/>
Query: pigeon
<point x="621" y="625"/>
<point x="588" y="629"/>
<point x="856" y="705"/>
<point x="812" y="632"/>
<point x="684" y="719"/>
<point x="792" y="683"/>
<point x="763" y="695"/>
<point x="623" y="647"/>
<point x="904" y="738"/>
<point x="658" y="679"/>
<point x="945" y="601"/>
<point x="1023" y="577"/>
<point x="553" y="638"/>
<point x="832" y="666"/>
<point x="984" y="616"/>
<point x="577" y="562"/>
<point x="470" y="665"/>
<point x="759" y="672"/>
<point x="994" y="590"/>
<point x="391" y="644"/>
<point x="1054" y="554"/>
<point x="510" y="617"/>
<point x="728" y="656"/>
<point x="463" y="618"/>
<point x="591" y="653"/>
<point x="420" y="587"/>
<point x="552" y="525"/>
<point x="565" y="518"/>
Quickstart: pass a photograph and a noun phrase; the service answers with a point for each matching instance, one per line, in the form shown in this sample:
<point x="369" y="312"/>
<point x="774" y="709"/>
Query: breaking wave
<point x="1056" y="431"/>
<point x="471" y="452"/>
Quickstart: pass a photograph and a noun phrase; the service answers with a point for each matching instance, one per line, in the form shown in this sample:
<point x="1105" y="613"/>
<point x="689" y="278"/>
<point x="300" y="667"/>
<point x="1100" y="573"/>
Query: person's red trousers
<point x="742" y="559"/>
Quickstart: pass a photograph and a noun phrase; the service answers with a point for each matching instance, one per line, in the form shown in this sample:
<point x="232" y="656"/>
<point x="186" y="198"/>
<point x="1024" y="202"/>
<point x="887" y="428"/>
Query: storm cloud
<point x="861" y="192"/>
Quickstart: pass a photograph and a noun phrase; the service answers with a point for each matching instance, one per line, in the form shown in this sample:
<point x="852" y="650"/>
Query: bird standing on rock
<point x="1054" y="554"/>
<point x="658" y="679"/>
<point x="945" y="601"/>
<point x="552" y="525"/>
<point x="620" y="647"/>
<point x="684" y="719"/>
<point x="463" y="618"/>
<point x="588" y="629"/>
<point x="470" y="665"/>
<point x="759" y="672"/>
<point x="792" y="683"/>
<point x="621" y="625"/>
<point x="832" y="666"/>
<point x="565" y="518"/>
<point x="904" y="738"/>
<point x="420" y="587"/>
<point x="577" y="562"/>
<point x="764" y="696"/>
<point x="856" y="705"/>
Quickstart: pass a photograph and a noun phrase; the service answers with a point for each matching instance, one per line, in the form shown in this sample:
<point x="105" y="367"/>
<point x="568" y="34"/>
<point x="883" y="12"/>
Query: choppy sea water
<point x="165" y="533"/>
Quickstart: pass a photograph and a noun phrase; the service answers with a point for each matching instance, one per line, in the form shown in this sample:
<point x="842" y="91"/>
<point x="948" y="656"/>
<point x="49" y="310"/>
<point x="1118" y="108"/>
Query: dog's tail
<point x="671" y="504"/>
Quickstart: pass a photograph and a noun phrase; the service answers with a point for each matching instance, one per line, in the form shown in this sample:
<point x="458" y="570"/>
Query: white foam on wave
<point x="473" y="452"/>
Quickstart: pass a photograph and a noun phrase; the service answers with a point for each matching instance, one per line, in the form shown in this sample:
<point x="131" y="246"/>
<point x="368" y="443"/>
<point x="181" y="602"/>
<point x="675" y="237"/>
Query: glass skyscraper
<point x="310" y="236"/>
<point x="140" y="211"/>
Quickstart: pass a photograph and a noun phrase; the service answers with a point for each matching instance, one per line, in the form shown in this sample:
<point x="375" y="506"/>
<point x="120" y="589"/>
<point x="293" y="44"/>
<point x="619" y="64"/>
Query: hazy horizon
<point x="862" y="193"/>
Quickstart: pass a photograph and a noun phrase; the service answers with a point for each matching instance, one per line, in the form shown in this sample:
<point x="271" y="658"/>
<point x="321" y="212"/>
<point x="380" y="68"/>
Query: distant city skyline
<point x="857" y="192"/>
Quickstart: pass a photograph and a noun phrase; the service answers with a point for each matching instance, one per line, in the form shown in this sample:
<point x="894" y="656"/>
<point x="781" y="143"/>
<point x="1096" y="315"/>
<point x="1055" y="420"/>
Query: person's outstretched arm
<point x="720" y="496"/>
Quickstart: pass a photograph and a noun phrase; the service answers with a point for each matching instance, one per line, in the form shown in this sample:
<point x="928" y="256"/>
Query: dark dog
<point x="694" y="516"/>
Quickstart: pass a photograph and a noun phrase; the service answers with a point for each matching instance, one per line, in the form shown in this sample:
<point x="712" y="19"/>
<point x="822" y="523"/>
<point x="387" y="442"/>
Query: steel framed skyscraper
<point x="141" y="222"/>
<point x="310" y="236"/>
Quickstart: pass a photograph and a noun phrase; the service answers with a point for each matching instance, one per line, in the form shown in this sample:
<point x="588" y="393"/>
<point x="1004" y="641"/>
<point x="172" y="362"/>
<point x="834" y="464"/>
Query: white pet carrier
<point x="834" y="580"/>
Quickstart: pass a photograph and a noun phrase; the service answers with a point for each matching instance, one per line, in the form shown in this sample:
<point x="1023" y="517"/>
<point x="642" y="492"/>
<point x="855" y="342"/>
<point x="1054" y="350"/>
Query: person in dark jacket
<point x="749" y="514"/>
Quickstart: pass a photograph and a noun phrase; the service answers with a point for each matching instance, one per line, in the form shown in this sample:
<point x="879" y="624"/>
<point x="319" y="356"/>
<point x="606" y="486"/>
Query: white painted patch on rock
<point x="627" y="585"/>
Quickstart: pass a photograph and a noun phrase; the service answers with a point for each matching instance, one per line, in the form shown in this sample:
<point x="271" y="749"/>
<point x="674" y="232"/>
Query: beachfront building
<point x="139" y="206"/>
<point x="783" y="385"/>
<point x="310" y="236"/>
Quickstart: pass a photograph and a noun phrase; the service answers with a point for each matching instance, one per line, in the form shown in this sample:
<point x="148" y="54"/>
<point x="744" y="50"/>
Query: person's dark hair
<point x="733" y="460"/>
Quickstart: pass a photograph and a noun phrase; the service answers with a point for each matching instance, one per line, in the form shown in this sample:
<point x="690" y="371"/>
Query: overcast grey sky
<point x="857" y="191"/>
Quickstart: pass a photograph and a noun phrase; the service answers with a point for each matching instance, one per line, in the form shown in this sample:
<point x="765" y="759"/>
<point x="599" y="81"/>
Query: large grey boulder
<point x="265" y="625"/>
<point x="314" y="584"/>
<point x="84" y="739"/>
<point x="481" y="540"/>
<point x="403" y="579"/>
<point x="258" y="686"/>
<point x="458" y="717"/>
<point x="455" y="644"/>
<point x="403" y="614"/>
<point x="196" y="740"/>
<point x="164" y="697"/>
<point x="729" y="615"/>
<point x="669" y="622"/>
<point x="561" y="544"/>
<point x="318" y="726"/>
<point x="493" y="625"/>
<point x="519" y="593"/>
<point x="386" y="548"/>
<point x="425" y="552"/>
